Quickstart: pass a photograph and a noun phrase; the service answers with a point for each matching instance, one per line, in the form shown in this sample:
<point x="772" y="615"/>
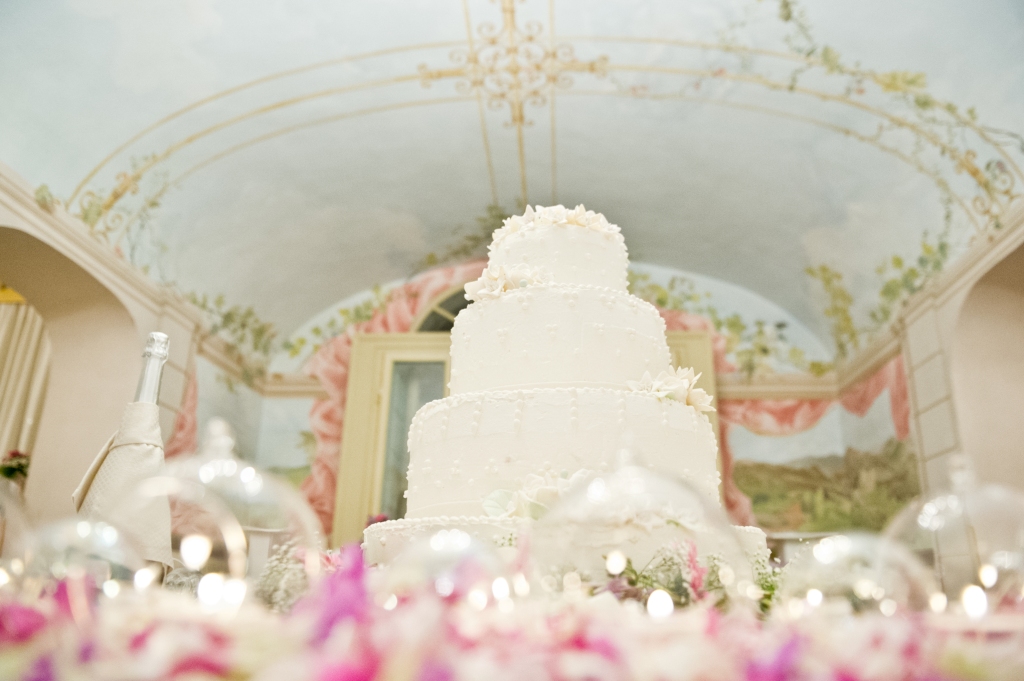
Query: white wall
<point x="98" y="311"/>
<point x="987" y="367"/>
<point x="962" y="343"/>
<point x="94" y="365"/>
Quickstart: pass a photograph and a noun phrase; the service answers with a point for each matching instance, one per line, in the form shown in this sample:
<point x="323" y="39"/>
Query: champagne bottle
<point x="153" y="359"/>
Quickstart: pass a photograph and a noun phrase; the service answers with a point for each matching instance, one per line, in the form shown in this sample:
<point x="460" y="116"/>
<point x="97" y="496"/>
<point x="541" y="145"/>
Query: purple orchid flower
<point x="19" y="623"/>
<point x="42" y="670"/>
<point x="361" y="670"/>
<point x="779" y="668"/>
<point x="340" y="595"/>
<point x="435" y="671"/>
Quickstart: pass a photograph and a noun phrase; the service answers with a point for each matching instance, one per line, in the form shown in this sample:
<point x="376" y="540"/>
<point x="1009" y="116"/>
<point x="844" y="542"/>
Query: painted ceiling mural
<point x="830" y="156"/>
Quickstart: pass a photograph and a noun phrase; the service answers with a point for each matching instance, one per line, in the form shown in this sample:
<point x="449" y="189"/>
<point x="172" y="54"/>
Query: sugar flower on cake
<point x="497" y="279"/>
<point x="561" y="216"/>
<point x="677" y="384"/>
<point x="537" y="495"/>
<point x="554" y="216"/>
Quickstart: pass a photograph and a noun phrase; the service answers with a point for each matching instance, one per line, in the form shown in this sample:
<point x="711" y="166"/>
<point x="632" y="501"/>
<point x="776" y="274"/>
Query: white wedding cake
<point x="555" y="367"/>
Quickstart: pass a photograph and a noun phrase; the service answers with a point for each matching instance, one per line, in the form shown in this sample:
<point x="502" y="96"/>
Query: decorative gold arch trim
<point x="512" y="65"/>
<point x="246" y="86"/>
<point x="964" y="160"/>
<point x="279" y="133"/>
<point x="939" y="181"/>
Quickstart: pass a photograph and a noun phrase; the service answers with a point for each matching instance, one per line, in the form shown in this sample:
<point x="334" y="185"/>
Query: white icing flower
<point x="537" y="495"/>
<point x="513" y="224"/>
<point x="699" y="400"/>
<point x="678" y="384"/>
<point x="554" y="216"/>
<point x="647" y="385"/>
<point x="497" y="279"/>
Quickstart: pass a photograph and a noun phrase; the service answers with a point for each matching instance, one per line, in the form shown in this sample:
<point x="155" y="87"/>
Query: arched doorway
<point x="988" y="372"/>
<point x="440" y="316"/>
<point x="94" y="364"/>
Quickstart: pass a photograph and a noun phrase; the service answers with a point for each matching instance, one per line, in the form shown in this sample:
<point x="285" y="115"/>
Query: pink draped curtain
<point x="184" y="441"/>
<point x="184" y="437"/>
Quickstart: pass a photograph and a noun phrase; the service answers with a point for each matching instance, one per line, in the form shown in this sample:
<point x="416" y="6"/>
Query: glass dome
<point x="237" y="533"/>
<point x="455" y="567"/>
<point x="82" y="561"/>
<point x="973" y="541"/>
<point x="14" y="534"/>
<point x="643" y="536"/>
<point x="852" y="574"/>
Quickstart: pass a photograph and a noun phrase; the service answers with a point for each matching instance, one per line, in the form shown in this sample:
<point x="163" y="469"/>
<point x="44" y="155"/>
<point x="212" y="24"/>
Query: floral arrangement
<point x="497" y="279"/>
<point x="554" y="216"/>
<point x="283" y="579"/>
<point x="348" y="630"/>
<point x="677" y="384"/>
<point x="14" y="466"/>
<point x="378" y="518"/>
<point x="675" y="569"/>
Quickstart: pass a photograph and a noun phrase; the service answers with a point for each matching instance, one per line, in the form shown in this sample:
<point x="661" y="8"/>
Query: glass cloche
<point x="80" y="562"/>
<point x="14" y="533"/>
<point x="972" y="537"/>
<point x="456" y="568"/>
<point x="643" y="536"/>
<point x="237" y="532"/>
<point x="853" y="573"/>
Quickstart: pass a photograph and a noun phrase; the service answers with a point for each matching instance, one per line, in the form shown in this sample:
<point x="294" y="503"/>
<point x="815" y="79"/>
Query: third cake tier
<point x="465" y="447"/>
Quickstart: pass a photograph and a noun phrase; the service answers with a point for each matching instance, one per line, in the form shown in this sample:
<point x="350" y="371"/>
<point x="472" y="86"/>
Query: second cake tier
<point x="467" y="447"/>
<point x="556" y="334"/>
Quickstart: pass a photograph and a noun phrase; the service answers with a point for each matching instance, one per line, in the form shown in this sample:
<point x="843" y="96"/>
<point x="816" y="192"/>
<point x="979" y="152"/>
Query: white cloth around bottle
<point x="134" y="453"/>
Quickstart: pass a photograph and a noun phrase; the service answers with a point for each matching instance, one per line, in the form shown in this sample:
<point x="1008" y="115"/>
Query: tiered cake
<point x="555" y="367"/>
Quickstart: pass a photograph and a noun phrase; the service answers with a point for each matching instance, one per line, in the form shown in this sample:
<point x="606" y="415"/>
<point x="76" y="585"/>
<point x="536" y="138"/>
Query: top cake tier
<point x="572" y="246"/>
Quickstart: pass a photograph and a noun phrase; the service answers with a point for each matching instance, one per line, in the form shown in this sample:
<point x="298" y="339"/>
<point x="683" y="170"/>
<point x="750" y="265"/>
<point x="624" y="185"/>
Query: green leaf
<point x="891" y="289"/>
<point x="924" y="101"/>
<point x="830" y="59"/>
<point x="497" y="502"/>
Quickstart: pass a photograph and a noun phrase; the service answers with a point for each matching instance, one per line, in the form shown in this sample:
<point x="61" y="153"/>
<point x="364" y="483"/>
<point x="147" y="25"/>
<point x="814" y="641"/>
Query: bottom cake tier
<point x="383" y="541"/>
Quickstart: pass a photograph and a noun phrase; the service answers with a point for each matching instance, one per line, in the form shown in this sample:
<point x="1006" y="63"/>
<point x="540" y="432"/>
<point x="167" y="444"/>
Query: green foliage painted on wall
<point x="344" y="317"/>
<point x="469" y="243"/>
<point x="859" y="490"/>
<point x="899" y="279"/>
<point x="837" y="311"/>
<point x="249" y="339"/>
<point x="758" y="347"/>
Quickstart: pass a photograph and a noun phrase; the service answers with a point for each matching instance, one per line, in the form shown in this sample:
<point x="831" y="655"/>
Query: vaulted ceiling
<point x="288" y="153"/>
